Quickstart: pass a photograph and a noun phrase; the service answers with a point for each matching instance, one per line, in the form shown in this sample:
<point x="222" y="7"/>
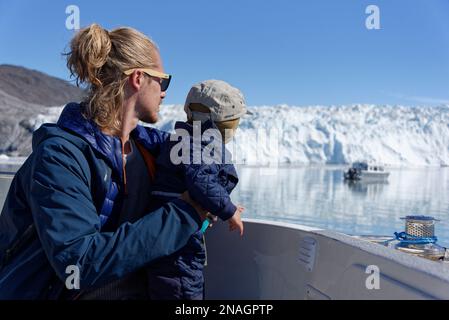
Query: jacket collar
<point x="204" y="125"/>
<point x="109" y="147"/>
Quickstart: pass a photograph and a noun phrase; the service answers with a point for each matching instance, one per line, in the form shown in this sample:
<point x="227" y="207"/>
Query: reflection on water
<point x="370" y="188"/>
<point x="319" y="197"/>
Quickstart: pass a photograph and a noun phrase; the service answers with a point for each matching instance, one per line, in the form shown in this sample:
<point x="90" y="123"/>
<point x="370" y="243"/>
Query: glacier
<point x="400" y="136"/>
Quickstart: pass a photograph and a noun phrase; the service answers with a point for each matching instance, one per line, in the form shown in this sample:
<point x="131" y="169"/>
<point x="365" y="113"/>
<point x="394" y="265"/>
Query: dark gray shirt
<point x="136" y="203"/>
<point x="135" y="206"/>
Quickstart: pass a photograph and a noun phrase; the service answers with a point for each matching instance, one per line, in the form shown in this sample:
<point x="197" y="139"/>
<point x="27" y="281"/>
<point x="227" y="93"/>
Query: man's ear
<point x="136" y="80"/>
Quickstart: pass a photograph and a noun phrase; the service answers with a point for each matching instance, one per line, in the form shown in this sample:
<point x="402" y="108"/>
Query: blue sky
<point x="295" y="52"/>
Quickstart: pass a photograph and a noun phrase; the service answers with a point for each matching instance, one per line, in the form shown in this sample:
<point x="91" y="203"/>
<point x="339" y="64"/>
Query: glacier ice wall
<point x="392" y="135"/>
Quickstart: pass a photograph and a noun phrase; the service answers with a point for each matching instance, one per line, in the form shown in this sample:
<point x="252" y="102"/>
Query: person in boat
<point x="213" y="109"/>
<point x="75" y="223"/>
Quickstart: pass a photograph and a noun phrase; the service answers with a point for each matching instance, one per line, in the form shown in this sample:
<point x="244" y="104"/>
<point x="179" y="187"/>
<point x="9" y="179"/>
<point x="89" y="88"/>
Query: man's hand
<point x="235" y="222"/>
<point x="201" y="212"/>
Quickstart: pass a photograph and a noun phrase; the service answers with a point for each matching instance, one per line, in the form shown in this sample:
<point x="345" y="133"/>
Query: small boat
<point x="368" y="172"/>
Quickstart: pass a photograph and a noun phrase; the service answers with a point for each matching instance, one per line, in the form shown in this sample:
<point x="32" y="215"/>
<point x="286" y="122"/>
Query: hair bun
<point x="90" y="50"/>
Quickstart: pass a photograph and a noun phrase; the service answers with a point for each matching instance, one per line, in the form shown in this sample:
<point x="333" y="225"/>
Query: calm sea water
<point x="318" y="197"/>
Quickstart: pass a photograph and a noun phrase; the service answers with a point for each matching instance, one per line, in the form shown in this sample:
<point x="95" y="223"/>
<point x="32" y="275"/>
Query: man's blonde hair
<point x="98" y="58"/>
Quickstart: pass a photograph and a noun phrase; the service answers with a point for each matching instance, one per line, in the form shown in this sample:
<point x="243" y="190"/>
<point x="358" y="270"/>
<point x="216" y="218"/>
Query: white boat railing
<point x="284" y="261"/>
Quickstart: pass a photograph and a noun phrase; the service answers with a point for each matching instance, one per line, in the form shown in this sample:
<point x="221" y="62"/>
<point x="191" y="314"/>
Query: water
<point x="4" y="185"/>
<point x="318" y="197"/>
<point x="6" y="174"/>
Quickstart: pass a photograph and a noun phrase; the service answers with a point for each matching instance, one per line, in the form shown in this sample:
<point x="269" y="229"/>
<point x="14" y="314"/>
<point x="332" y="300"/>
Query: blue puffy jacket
<point x="181" y="166"/>
<point x="56" y="213"/>
<point x="208" y="184"/>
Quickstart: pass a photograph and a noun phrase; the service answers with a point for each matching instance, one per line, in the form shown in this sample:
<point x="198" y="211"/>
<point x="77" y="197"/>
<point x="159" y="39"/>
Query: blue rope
<point x="406" y="238"/>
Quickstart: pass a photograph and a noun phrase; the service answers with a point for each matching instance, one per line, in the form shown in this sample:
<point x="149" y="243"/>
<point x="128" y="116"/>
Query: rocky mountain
<point x="36" y="87"/>
<point x="24" y="94"/>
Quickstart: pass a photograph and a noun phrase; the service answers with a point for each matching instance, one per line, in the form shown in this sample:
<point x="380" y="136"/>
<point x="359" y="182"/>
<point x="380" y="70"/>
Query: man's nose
<point x="163" y="94"/>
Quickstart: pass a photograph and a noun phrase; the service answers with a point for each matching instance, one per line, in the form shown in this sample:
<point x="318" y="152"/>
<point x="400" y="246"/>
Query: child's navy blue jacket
<point x="180" y="276"/>
<point x="208" y="184"/>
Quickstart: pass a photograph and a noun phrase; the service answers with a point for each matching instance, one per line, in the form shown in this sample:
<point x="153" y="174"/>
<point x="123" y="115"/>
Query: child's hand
<point x="235" y="222"/>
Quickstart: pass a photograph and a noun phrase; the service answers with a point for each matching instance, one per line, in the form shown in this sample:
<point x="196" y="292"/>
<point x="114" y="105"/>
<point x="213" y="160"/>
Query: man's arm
<point x="69" y="227"/>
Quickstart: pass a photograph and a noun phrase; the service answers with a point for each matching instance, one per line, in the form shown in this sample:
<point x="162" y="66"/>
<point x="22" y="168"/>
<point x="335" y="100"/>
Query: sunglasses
<point x="164" y="79"/>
